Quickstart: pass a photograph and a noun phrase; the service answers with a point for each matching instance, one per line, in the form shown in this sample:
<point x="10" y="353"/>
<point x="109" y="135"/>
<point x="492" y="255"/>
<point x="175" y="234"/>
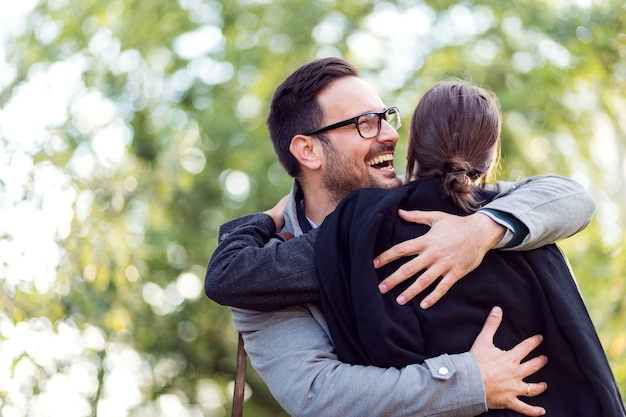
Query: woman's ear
<point x="307" y="150"/>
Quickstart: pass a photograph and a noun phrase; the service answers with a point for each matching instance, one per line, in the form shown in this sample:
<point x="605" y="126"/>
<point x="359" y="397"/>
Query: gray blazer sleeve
<point x="550" y="207"/>
<point x="293" y="354"/>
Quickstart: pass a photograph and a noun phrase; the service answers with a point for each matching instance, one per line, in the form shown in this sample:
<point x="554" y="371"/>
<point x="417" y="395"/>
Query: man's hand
<point x="502" y="371"/>
<point x="277" y="213"/>
<point x="454" y="246"/>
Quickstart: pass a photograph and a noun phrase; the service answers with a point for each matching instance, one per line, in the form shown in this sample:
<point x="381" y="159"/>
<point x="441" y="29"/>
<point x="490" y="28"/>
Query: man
<point x="291" y="348"/>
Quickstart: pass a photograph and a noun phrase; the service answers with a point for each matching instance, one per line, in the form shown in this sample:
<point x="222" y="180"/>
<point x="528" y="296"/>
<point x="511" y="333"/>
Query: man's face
<point x="351" y="162"/>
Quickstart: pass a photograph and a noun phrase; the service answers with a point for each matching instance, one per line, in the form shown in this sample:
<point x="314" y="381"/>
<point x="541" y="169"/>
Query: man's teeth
<point x="380" y="159"/>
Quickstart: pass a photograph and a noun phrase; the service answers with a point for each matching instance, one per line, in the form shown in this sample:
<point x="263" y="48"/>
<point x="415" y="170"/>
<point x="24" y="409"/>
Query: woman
<point x="454" y="146"/>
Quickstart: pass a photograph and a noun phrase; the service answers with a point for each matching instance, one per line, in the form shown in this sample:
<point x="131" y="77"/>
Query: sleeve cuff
<point x="469" y="382"/>
<point x="516" y="231"/>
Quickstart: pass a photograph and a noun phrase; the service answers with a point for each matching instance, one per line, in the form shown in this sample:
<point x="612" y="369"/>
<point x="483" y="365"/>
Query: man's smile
<point x="382" y="162"/>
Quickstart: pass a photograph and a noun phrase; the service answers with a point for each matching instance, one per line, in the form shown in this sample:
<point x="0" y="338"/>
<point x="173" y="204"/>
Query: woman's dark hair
<point x="454" y="135"/>
<point x="294" y="108"/>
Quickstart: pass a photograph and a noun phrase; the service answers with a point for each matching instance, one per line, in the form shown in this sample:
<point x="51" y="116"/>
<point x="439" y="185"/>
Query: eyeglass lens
<point x="369" y="124"/>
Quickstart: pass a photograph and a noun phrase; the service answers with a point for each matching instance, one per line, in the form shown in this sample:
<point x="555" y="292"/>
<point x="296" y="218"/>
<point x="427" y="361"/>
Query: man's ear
<point x="307" y="150"/>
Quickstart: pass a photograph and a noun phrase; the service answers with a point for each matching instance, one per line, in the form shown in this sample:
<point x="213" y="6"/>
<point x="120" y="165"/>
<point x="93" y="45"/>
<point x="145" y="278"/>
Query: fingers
<point x="440" y="290"/>
<point x="418" y="216"/>
<point x="485" y="337"/>
<point x="522" y="349"/>
<point x="420" y="284"/>
<point x="535" y="388"/>
<point x="410" y="247"/>
<point x="531" y="366"/>
<point x="277" y="212"/>
<point x="526" y="409"/>
<point x="529" y="390"/>
<point x="406" y="271"/>
<point x="412" y="267"/>
<point x="406" y="248"/>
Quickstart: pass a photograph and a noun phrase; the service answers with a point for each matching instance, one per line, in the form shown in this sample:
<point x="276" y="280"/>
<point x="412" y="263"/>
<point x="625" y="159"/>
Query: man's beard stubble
<point x="347" y="175"/>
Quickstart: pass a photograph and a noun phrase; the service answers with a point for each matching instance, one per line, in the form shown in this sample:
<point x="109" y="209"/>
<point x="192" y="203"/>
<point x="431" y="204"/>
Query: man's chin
<point x="395" y="182"/>
<point x="389" y="182"/>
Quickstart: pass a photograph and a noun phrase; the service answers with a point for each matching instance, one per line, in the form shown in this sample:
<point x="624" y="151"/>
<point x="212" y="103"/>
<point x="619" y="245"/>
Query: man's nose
<point x="387" y="133"/>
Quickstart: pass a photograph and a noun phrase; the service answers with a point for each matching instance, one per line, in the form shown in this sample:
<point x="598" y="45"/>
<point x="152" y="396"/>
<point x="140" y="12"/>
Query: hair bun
<point x="456" y="166"/>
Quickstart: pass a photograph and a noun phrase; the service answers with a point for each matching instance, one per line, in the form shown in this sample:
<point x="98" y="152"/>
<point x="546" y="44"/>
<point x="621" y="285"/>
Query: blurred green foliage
<point x="186" y="85"/>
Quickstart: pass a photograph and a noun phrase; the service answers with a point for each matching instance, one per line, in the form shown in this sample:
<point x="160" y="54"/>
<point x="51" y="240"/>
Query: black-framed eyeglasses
<point x="368" y="124"/>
